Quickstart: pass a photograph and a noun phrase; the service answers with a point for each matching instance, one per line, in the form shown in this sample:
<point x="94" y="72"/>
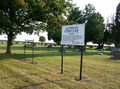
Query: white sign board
<point x="73" y="34"/>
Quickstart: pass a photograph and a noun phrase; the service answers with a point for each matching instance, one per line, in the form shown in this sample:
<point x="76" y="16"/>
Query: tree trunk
<point x="10" y="35"/>
<point x="100" y="45"/>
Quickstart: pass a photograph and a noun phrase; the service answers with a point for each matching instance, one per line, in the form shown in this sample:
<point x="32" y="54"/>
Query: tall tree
<point x="109" y="34"/>
<point x="95" y="29"/>
<point x="117" y="27"/>
<point x="11" y="19"/>
<point x="82" y="16"/>
<point x="76" y="15"/>
<point x="18" y="16"/>
<point x="88" y="12"/>
<point x="42" y="39"/>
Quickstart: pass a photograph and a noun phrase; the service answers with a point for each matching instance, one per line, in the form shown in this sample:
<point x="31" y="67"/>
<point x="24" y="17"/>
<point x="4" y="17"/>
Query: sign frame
<point x="73" y="34"/>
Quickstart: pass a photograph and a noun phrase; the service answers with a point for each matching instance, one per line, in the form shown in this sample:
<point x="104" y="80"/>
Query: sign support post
<point x="33" y="51"/>
<point x="24" y="51"/>
<point x="81" y="62"/>
<point x="62" y="60"/>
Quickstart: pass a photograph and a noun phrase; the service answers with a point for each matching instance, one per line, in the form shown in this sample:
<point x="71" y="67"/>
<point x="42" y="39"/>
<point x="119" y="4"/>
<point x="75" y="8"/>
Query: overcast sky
<point x="105" y="7"/>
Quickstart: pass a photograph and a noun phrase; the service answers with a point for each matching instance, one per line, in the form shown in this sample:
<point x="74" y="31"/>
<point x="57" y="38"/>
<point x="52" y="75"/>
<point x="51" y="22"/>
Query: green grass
<point x="99" y="72"/>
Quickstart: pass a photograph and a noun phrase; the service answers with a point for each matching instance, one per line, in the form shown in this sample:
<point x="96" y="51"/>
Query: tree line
<point x="30" y="16"/>
<point x="96" y="30"/>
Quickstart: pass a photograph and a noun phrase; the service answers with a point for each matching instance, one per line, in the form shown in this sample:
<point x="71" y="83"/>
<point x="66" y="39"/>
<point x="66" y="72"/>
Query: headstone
<point x="64" y="49"/>
<point x="49" y="46"/>
<point x="116" y="54"/>
<point x="48" y="49"/>
<point x="114" y="49"/>
<point x="88" y="52"/>
<point x="100" y="53"/>
<point x="99" y="49"/>
<point x="91" y="46"/>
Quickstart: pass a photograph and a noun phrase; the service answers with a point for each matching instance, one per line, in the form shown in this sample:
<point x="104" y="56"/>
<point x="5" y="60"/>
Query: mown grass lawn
<point x="99" y="71"/>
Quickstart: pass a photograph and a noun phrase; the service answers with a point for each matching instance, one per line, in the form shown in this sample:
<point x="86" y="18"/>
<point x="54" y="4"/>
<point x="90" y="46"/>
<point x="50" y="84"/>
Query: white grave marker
<point x="73" y="34"/>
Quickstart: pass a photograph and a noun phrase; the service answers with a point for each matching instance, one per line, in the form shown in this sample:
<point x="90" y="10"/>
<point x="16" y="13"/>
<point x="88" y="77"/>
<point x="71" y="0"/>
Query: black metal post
<point x="32" y="51"/>
<point x="81" y="62"/>
<point x="24" y="51"/>
<point x="62" y="60"/>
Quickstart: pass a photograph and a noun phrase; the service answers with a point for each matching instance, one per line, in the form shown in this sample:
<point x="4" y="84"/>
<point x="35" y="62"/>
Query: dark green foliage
<point x="13" y="38"/>
<point x="82" y="16"/>
<point x="55" y="27"/>
<point x="18" y="16"/>
<point x="14" y="19"/>
<point x="117" y="27"/>
<point x="42" y="38"/>
<point x="95" y="28"/>
<point x="76" y="15"/>
<point x="88" y="11"/>
<point x="114" y="28"/>
<point x="107" y="37"/>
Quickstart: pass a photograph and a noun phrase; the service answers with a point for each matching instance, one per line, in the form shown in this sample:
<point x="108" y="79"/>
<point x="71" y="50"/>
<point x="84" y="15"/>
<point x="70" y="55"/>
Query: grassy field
<point x="99" y="71"/>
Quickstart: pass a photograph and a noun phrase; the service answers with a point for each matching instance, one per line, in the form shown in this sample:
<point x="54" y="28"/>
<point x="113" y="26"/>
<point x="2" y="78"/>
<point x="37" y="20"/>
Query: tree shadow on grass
<point x="5" y="56"/>
<point x="114" y="59"/>
<point x="36" y="48"/>
<point x="29" y="55"/>
<point x="54" y="52"/>
<point x="45" y="54"/>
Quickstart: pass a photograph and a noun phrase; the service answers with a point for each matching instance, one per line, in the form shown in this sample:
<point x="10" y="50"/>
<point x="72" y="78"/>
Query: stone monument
<point x="114" y="49"/>
<point x="116" y="54"/>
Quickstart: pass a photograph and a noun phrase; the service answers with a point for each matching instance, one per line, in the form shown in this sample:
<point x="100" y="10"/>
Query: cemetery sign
<point x="73" y="34"/>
